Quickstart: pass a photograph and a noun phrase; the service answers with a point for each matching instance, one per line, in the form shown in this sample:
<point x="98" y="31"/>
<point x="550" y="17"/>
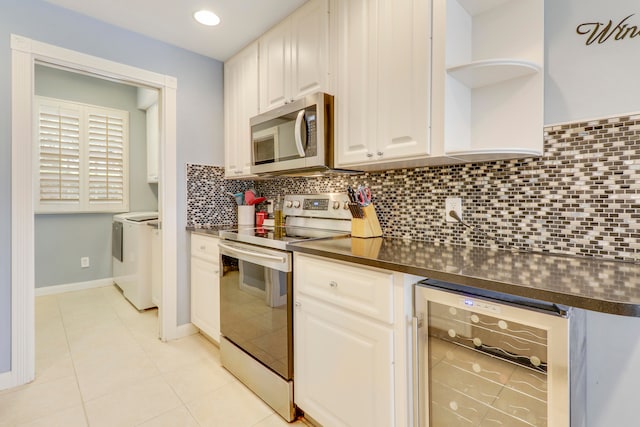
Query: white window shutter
<point x="59" y="154"/>
<point x="107" y="141"/>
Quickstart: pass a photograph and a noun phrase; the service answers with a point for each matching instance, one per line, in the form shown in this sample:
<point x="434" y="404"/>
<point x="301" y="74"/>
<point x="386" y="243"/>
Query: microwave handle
<point x="298" y="136"/>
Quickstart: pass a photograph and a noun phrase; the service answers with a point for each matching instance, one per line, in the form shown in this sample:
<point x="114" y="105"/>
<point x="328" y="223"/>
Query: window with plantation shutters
<point x="82" y="151"/>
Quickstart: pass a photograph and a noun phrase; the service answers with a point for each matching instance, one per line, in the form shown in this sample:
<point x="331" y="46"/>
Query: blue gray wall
<point x="199" y="114"/>
<point x="62" y="239"/>
<point x="589" y="81"/>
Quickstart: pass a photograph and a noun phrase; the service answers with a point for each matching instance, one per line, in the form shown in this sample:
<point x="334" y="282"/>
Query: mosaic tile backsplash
<point x="581" y="198"/>
<point x="207" y="200"/>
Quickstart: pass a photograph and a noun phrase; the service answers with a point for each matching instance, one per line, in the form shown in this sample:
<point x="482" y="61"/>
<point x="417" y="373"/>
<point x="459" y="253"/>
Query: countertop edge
<point x="580" y="302"/>
<point x="210" y="230"/>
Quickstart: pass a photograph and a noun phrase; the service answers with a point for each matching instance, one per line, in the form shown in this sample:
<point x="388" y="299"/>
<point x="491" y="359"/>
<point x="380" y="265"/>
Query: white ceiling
<point x="171" y="21"/>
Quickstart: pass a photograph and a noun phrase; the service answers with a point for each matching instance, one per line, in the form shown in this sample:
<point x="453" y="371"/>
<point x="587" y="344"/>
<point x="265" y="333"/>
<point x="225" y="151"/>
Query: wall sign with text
<point x="602" y="32"/>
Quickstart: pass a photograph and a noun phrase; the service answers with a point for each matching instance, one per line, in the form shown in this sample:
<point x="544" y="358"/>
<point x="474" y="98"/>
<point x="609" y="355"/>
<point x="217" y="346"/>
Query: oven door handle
<point x="281" y="259"/>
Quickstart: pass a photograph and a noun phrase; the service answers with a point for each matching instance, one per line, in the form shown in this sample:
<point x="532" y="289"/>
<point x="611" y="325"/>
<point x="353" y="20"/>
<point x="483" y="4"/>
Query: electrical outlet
<point x="453" y="204"/>
<point x="84" y="262"/>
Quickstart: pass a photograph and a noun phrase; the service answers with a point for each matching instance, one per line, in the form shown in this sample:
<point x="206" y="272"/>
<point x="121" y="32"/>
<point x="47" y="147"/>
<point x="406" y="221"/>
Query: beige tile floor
<point x="99" y="363"/>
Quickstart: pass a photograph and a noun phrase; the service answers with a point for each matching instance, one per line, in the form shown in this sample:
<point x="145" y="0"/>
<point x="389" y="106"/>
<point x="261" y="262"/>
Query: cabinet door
<point x="355" y="103"/>
<point x="205" y="297"/>
<point x="156" y="267"/>
<point x="153" y="143"/>
<point x="275" y="60"/>
<point x="310" y="61"/>
<point x="240" y="104"/>
<point x="343" y="366"/>
<point x="403" y="79"/>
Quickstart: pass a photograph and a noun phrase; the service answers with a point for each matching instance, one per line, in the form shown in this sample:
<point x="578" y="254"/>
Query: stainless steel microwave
<point x="295" y="138"/>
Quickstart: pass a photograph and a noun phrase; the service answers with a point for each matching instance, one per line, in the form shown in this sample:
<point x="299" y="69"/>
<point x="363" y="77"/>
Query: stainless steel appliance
<point x="489" y="359"/>
<point x="295" y="138"/>
<point x="256" y="294"/>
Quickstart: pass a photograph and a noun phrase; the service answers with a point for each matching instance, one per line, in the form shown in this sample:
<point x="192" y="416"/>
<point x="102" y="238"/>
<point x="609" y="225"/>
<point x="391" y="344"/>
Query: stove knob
<point x="288" y="204"/>
<point x="296" y="204"/>
<point x="346" y="205"/>
<point x="336" y="205"/>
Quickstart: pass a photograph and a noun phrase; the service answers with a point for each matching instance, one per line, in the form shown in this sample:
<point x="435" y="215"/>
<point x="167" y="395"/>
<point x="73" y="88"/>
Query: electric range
<point x="307" y="217"/>
<point x="256" y="294"/>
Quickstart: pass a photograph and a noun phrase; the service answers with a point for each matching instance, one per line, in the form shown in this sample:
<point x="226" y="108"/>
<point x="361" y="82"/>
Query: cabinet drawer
<point x="358" y="289"/>
<point x="205" y="247"/>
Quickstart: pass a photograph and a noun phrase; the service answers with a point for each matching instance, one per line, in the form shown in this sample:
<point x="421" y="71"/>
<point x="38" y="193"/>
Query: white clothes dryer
<point x="131" y="250"/>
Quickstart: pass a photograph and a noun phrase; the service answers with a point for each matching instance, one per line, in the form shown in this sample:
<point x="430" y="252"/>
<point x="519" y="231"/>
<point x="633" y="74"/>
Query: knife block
<point x="367" y="226"/>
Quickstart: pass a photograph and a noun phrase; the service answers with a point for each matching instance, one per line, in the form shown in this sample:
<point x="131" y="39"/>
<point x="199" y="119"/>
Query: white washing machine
<point x="131" y="250"/>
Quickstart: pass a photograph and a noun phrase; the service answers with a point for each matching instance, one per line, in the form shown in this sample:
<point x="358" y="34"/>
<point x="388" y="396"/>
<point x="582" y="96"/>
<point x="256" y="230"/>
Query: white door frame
<point x="24" y="54"/>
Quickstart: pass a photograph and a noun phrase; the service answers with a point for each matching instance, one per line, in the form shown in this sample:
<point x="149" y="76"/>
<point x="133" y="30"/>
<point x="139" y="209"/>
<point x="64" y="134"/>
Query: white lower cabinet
<point x="351" y="343"/>
<point x="344" y="366"/>
<point x="205" y="285"/>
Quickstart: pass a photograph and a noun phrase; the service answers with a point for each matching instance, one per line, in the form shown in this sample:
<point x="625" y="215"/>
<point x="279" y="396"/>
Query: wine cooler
<point x="489" y="359"/>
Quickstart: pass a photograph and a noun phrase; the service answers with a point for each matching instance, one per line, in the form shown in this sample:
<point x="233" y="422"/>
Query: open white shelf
<point x="493" y="154"/>
<point x="491" y="71"/>
<point x="476" y="7"/>
<point x="488" y="57"/>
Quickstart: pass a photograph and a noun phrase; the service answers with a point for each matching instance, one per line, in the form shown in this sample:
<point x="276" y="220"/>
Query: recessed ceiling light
<point x="206" y="17"/>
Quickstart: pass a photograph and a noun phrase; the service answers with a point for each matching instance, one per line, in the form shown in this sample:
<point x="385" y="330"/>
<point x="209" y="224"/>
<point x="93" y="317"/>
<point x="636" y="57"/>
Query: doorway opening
<point x="26" y="53"/>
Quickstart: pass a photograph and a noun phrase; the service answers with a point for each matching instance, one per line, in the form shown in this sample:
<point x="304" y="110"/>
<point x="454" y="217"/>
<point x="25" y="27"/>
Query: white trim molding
<point x="25" y="53"/>
<point x="71" y="287"/>
<point x="22" y="223"/>
<point x="186" y="330"/>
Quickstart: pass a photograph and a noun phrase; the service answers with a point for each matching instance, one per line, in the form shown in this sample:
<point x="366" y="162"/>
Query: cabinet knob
<point x="369" y="154"/>
<point x="379" y="153"/>
<point x="333" y="284"/>
<point x="298" y="304"/>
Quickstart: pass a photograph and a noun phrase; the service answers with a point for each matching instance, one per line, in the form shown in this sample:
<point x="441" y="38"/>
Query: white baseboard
<point x="7" y="380"/>
<point x="185" y="330"/>
<point x="79" y="286"/>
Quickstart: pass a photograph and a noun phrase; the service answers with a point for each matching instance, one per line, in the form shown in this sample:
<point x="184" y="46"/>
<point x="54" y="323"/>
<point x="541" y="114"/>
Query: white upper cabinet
<point x="240" y="104"/>
<point x="294" y="56"/>
<point x="403" y="79"/>
<point x="488" y="80"/>
<point x="147" y="99"/>
<point x="383" y="83"/>
<point x="355" y="100"/>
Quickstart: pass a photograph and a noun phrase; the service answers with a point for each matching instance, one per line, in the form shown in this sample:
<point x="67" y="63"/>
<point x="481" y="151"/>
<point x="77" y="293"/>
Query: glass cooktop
<point x="278" y="237"/>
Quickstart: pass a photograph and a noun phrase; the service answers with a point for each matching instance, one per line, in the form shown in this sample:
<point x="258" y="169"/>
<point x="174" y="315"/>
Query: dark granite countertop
<point x="211" y="229"/>
<point x="599" y="285"/>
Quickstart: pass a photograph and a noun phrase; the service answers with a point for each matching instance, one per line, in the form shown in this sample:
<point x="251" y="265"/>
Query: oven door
<point x="256" y="311"/>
